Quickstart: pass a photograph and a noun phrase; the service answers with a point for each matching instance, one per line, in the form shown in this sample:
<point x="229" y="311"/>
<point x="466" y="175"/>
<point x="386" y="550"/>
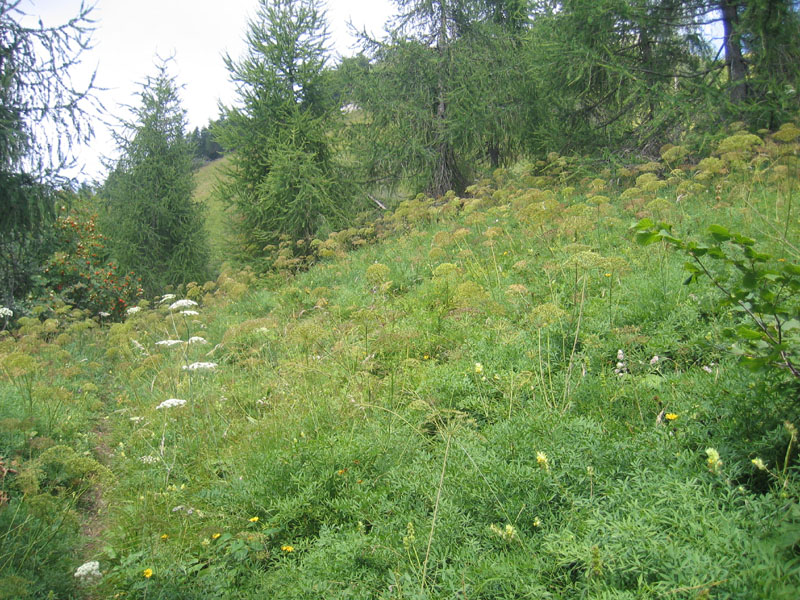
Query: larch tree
<point x="43" y="114"/>
<point x="155" y="227"/>
<point x="285" y="180"/>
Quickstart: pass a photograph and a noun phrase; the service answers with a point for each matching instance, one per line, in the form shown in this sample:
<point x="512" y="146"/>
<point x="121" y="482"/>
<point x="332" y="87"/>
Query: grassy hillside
<point x="503" y="396"/>
<point x="216" y="217"/>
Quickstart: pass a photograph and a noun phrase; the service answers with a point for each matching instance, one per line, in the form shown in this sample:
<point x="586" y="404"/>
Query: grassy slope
<point x="438" y="415"/>
<point x="216" y="224"/>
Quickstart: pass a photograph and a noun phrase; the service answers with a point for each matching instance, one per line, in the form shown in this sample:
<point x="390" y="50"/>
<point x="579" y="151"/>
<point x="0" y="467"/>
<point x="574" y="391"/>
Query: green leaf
<point x="645" y="238"/>
<point x="644" y="224"/>
<point x="748" y="333"/>
<point x="718" y="232"/>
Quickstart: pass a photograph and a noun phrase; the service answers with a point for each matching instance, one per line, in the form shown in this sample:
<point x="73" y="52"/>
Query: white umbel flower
<point x="200" y="366"/>
<point x="185" y="303"/>
<point x="6" y="312"/>
<point x="133" y="310"/>
<point x="89" y="572"/>
<point x="167" y="298"/>
<point x="169" y="343"/>
<point x="196" y="339"/>
<point x="190" y="313"/>
<point x="170" y="403"/>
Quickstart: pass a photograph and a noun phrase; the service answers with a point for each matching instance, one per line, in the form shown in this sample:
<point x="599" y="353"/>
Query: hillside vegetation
<point x="500" y="395"/>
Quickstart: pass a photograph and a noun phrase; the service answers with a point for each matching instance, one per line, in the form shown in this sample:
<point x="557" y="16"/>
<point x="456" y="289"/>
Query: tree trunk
<point x="737" y="68"/>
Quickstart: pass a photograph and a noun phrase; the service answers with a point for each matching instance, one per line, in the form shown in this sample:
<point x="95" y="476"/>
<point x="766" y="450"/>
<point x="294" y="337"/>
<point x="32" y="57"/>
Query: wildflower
<point x="89" y="572"/>
<point x="620" y="355"/>
<point x="137" y="419"/>
<point x="185" y="303"/>
<point x="6" y="312"/>
<point x="205" y="542"/>
<point x="759" y="464"/>
<point x="707" y="369"/>
<point x="169" y="343"/>
<point x="409" y="537"/>
<point x="537" y="522"/>
<point x="196" y="339"/>
<point x="164" y="536"/>
<point x="148" y="573"/>
<point x="170" y="403"/>
<point x="542" y="461"/>
<point x="507" y="533"/>
<point x="215" y="536"/>
<point x="133" y="310"/>
<point x="148" y="460"/>
<point x="341" y="471"/>
<point x="670" y="416"/>
<point x="167" y="298"/>
<point x="104" y="314"/>
<point x="253" y="519"/>
<point x="287" y="548"/>
<point x="190" y="313"/>
<point x="200" y="366"/>
<point x="713" y="461"/>
<point x="654" y="360"/>
<point x="478" y="368"/>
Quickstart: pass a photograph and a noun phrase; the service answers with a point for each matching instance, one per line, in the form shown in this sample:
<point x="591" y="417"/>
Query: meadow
<point x="500" y="395"/>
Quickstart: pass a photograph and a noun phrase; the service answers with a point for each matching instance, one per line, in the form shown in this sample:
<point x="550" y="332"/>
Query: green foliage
<point x="154" y="227"/>
<point x="759" y="285"/>
<point x="80" y="272"/>
<point x="284" y="179"/>
<point x="41" y="115"/>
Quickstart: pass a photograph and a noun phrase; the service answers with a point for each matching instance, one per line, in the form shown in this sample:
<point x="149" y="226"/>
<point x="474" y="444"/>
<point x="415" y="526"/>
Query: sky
<point x="129" y="37"/>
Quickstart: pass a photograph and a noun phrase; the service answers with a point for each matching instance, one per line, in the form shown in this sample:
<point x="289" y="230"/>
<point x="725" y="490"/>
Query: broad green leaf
<point x="718" y="232"/>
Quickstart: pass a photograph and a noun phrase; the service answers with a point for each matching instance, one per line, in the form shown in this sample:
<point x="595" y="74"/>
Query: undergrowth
<point x="494" y="396"/>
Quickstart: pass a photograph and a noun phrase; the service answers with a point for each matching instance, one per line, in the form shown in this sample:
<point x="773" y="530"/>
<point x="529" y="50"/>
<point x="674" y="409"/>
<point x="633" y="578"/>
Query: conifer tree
<point x="155" y="228"/>
<point x="284" y="180"/>
<point x="42" y="113"/>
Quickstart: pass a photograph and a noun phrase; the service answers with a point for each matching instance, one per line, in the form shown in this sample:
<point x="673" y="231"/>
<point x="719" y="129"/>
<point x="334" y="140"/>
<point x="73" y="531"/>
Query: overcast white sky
<point x="130" y="34"/>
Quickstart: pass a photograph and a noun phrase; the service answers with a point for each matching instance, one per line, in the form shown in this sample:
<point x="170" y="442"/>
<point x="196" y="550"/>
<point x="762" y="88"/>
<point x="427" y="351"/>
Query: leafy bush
<point x="80" y="271"/>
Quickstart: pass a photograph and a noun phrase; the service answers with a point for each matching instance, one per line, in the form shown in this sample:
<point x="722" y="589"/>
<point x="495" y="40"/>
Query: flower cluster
<point x="185" y="303"/>
<point x="713" y="461"/>
<point x="170" y="403"/>
<point x="542" y="461"/>
<point x="200" y="366"/>
<point x="622" y="367"/>
<point x="89" y="572"/>
<point x="6" y="312"/>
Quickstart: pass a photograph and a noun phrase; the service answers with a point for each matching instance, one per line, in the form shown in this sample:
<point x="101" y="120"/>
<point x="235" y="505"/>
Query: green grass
<point x="434" y="415"/>
<point x="217" y="227"/>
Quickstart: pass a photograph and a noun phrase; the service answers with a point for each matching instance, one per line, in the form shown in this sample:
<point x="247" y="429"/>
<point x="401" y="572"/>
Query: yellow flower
<point x="478" y="368"/>
<point x="253" y="519"/>
<point x="148" y="573"/>
<point x="713" y="461"/>
<point x="164" y="537"/>
<point x="287" y="548"/>
<point x="759" y="463"/>
<point x="670" y="416"/>
<point x="215" y="536"/>
<point x="541" y="460"/>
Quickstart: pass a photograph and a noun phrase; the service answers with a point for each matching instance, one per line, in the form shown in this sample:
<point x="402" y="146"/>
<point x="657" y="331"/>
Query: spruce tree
<point x="155" y="227"/>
